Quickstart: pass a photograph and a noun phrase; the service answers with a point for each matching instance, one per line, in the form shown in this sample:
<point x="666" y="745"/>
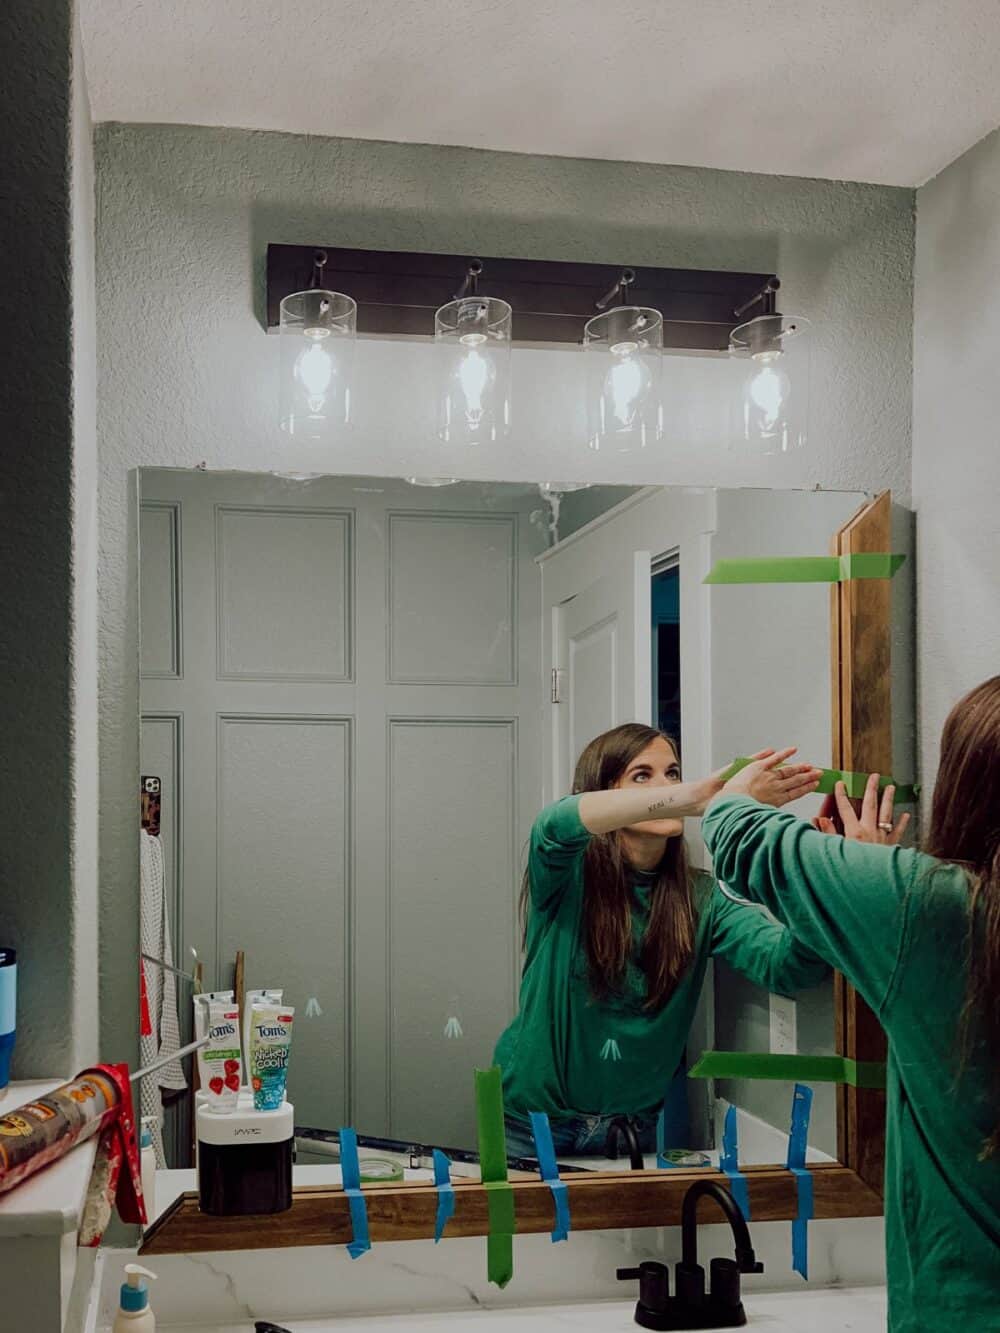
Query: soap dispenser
<point x="134" y="1314"/>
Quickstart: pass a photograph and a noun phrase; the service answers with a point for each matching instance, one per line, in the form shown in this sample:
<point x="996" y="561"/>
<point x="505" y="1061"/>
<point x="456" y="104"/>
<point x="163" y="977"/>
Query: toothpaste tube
<point x="219" y="1062"/>
<point x="200" y="1027"/>
<point x="201" y="1003"/>
<point x="251" y="998"/>
<point x="270" y="1041"/>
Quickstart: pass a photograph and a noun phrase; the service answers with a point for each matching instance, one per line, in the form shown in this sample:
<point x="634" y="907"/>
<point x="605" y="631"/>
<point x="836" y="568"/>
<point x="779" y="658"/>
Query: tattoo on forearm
<point x="664" y="804"/>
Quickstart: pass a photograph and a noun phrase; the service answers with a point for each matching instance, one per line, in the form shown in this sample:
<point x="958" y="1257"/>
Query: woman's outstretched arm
<point x="606" y="811"/>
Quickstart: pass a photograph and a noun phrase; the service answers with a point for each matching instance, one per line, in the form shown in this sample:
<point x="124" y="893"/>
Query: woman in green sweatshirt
<point x="918" y="934"/>
<point x="619" y="933"/>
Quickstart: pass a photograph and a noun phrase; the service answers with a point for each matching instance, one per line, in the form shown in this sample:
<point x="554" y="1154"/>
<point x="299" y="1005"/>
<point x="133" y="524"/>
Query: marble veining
<point x="837" y="1310"/>
<point x="420" y="1279"/>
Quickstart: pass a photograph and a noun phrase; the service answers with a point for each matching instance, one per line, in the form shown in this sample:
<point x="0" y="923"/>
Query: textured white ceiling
<point x="873" y="90"/>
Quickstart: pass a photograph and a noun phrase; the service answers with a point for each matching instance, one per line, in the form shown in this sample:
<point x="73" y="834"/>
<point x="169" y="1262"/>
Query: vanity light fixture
<point x="624" y="317"/>
<point x="473" y="338"/>
<point x="773" y="400"/>
<point x="623" y="346"/>
<point x="317" y="334"/>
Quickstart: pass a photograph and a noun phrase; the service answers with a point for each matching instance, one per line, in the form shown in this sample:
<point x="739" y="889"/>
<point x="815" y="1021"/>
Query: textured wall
<point x="956" y="459"/>
<point x="186" y="374"/>
<point x="48" y="769"/>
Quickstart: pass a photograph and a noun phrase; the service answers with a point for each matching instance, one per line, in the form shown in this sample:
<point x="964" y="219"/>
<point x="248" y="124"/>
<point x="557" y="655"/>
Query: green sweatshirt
<point x="568" y="1054"/>
<point x="895" y="922"/>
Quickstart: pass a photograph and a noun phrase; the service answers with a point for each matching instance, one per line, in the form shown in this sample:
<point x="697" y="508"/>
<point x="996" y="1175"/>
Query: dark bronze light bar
<point x="397" y="292"/>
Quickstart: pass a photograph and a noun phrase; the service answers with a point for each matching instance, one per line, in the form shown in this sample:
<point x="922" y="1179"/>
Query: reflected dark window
<point x="666" y="640"/>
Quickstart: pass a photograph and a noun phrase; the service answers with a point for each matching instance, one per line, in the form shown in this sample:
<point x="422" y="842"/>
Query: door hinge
<point x="556" y="685"/>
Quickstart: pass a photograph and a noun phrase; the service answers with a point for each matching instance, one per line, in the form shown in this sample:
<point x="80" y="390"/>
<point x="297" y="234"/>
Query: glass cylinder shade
<point x="772" y="398"/>
<point x="473" y="352"/>
<point x="317" y="332"/>
<point x="623" y="349"/>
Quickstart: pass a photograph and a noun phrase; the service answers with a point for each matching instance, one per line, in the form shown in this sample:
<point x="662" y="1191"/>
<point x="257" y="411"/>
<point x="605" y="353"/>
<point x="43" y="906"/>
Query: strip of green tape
<point x="790" y="1068"/>
<point x="806" y="568"/>
<point x="493" y="1171"/>
<point x="906" y="793"/>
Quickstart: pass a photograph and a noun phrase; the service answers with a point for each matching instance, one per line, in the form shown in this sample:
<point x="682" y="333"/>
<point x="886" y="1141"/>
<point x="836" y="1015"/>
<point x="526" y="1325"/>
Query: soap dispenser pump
<point x="134" y="1314"/>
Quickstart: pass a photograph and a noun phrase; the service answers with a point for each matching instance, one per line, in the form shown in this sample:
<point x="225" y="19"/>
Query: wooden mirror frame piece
<point x="852" y="1187"/>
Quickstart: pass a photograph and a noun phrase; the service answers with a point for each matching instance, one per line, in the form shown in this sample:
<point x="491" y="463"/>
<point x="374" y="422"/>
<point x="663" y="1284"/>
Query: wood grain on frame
<point x="862" y="743"/>
<point x="320" y="1216"/>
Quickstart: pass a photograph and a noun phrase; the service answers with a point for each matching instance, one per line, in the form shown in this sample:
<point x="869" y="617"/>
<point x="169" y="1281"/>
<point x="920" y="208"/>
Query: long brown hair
<point x="668" y="943"/>
<point x="965" y="829"/>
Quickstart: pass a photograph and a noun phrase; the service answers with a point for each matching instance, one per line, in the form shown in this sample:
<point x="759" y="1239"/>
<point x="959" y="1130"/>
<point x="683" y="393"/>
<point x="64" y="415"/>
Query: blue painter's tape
<point x="798" y="1137"/>
<point x="350" y="1171"/>
<point x="727" y="1164"/>
<point x="549" y="1170"/>
<point x="446" y="1193"/>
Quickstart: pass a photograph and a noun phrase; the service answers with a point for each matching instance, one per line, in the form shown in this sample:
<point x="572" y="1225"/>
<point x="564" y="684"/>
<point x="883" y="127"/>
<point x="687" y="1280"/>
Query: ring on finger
<point x="886" y="828"/>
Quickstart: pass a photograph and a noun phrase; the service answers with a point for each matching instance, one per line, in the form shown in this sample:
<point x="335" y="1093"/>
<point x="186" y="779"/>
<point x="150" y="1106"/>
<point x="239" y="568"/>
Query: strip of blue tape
<point x="446" y="1192"/>
<point x="549" y="1170"/>
<point x="727" y="1164"/>
<point x="350" y="1171"/>
<point x="798" y="1137"/>
<point x="661" y="1138"/>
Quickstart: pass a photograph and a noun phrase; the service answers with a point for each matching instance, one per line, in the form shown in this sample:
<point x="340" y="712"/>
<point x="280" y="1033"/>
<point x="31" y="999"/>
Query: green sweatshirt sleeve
<point x="846" y="900"/>
<point x="558" y="841"/>
<point x="762" y="949"/>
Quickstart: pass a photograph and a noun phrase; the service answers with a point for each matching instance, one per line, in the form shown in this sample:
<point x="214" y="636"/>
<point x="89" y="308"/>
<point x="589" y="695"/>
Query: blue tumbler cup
<point x="8" y="1012"/>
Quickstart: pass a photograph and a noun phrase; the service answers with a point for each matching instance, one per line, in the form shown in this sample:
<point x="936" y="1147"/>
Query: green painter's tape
<point x="790" y="1068"/>
<point x="869" y="565"/>
<point x="777" y="569"/>
<point x="806" y="568"/>
<point x="493" y="1170"/>
<point x="906" y="793"/>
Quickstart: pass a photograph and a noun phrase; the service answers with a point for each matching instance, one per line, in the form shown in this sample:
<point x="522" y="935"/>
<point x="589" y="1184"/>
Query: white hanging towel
<point x="161" y="990"/>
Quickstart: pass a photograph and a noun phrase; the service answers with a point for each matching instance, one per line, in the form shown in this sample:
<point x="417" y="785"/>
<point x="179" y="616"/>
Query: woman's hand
<point x="714" y="784"/>
<point x="770" y="780"/>
<point x="876" y="822"/>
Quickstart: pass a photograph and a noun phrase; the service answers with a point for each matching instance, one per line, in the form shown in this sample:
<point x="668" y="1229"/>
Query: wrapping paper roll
<point x="41" y="1131"/>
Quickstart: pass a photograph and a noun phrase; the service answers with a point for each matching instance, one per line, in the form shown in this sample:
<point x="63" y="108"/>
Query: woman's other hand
<point x="876" y="823"/>
<point x="772" y="781"/>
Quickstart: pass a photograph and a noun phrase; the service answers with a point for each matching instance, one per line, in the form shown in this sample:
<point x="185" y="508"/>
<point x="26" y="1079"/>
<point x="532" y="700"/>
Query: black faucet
<point x="621" y="1127"/>
<point x="690" y="1307"/>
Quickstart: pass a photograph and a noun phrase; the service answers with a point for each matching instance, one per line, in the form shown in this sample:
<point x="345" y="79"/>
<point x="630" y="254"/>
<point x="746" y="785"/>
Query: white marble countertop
<point x="822" y="1310"/>
<point x="49" y="1203"/>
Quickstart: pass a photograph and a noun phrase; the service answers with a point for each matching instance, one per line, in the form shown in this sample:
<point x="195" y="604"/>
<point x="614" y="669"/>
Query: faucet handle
<point x="654" y="1284"/>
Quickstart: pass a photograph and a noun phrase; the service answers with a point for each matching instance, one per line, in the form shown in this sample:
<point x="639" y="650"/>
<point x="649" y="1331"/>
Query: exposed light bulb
<point x="476" y="374"/>
<point x="473" y="337"/>
<point x="625" y="385"/>
<point x="767" y="392"/>
<point x="314" y="371"/>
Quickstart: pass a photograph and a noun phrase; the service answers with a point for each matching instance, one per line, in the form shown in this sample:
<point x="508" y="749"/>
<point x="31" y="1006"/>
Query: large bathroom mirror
<point x="358" y="693"/>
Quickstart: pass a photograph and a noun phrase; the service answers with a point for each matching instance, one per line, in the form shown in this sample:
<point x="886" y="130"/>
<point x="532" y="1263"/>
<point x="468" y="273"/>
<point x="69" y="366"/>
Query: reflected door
<point x="602" y="655"/>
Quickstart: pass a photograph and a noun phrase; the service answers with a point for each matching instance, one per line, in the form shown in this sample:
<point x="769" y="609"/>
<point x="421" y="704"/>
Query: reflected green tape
<point x="906" y="793"/>
<point x="806" y="568"/>
<point x="790" y="1068"/>
<point x="493" y="1169"/>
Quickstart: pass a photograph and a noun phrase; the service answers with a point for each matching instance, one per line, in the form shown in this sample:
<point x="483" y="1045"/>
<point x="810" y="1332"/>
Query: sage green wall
<point x="186" y="374"/>
<point x="48" y="539"/>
